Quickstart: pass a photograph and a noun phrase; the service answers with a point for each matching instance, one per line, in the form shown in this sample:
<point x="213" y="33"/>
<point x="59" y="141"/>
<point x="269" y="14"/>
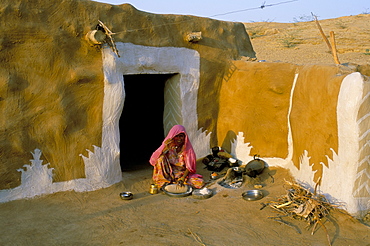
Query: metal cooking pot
<point x="255" y="167"/>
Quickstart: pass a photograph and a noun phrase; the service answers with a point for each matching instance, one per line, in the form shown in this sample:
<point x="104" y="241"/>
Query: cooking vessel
<point x="255" y="167"/>
<point x="126" y="195"/>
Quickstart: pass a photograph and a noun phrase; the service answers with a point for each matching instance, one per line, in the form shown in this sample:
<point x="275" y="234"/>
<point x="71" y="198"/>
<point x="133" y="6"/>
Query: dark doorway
<point x="141" y="122"/>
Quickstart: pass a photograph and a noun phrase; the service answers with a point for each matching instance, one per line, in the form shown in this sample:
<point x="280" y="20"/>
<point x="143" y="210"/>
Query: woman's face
<point x="179" y="139"/>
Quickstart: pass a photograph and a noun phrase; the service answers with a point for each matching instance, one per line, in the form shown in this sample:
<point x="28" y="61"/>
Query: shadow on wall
<point x="226" y="144"/>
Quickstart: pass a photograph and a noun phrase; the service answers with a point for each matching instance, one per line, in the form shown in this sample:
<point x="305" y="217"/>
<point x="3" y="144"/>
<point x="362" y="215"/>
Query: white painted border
<point x="102" y="166"/>
<point x="338" y="180"/>
<point x="137" y="59"/>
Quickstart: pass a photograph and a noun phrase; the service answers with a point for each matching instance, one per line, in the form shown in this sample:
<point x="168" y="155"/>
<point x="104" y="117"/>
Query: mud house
<point x="77" y="107"/>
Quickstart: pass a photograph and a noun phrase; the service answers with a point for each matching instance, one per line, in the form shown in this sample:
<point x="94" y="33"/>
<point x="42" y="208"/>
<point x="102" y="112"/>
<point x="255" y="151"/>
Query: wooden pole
<point x="322" y="32"/>
<point x="334" y="48"/>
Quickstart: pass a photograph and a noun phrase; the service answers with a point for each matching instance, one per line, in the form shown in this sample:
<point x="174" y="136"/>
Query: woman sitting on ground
<point x="174" y="161"/>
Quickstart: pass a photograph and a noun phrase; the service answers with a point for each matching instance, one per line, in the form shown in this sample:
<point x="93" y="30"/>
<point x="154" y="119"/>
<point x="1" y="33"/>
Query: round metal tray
<point x="188" y="191"/>
<point x="252" y="195"/>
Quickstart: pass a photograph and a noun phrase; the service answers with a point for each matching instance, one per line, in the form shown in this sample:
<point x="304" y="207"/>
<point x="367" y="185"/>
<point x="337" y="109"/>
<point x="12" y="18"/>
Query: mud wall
<point x="52" y="80"/>
<point x="264" y="109"/>
<point x="312" y="120"/>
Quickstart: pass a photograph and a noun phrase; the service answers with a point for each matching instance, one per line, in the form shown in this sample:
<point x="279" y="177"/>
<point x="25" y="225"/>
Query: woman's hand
<point x="181" y="181"/>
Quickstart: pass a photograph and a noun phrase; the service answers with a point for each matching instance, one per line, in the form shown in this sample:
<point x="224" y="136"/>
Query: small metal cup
<point x="153" y="189"/>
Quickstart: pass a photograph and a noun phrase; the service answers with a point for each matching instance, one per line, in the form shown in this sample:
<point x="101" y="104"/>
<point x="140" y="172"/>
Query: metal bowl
<point x="188" y="191"/>
<point x="252" y="195"/>
<point x="127" y="195"/>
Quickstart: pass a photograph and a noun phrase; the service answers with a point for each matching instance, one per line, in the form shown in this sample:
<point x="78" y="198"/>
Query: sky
<point x="286" y="11"/>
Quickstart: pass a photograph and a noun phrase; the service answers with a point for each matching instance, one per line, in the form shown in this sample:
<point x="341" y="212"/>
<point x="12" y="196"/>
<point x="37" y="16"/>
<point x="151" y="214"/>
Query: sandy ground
<point x="302" y="43"/>
<point x="102" y="218"/>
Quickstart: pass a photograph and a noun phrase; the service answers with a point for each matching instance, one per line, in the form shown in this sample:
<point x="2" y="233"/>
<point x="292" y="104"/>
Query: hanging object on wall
<point x="102" y="34"/>
<point x="96" y="36"/>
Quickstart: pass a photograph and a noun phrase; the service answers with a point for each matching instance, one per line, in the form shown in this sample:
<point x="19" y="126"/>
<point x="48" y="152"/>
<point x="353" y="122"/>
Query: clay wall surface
<point x="51" y="83"/>
<point x="314" y="115"/>
<point x="310" y="119"/>
<point x="50" y="87"/>
<point x="256" y="100"/>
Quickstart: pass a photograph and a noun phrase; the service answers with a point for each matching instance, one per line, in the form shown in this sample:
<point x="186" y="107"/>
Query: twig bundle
<point x="300" y="203"/>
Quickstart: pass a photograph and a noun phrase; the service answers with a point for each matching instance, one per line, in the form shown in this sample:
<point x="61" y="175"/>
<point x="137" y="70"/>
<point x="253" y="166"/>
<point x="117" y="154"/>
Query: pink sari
<point x="170" y="165"/>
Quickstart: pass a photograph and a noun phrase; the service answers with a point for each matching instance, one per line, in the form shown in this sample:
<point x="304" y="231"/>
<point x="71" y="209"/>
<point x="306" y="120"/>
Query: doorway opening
<point x="141" y="122"/>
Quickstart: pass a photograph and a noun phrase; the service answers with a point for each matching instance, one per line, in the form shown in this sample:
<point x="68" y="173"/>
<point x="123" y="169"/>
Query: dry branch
<point x="334" y="48"/>
<point x="322" y="32"/>
<point x="331" y="44"/>
<point x="300" y="203"/>
<point x="109" y="34"/>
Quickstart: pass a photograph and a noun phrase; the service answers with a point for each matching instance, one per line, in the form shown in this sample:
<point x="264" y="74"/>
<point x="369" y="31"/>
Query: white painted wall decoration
<point x="339" y="179"/>
<point x="172" y="108"/>
<point x="348" y="165"/>
<point x="36" y="179"/>
<point x="102" y="166"/>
